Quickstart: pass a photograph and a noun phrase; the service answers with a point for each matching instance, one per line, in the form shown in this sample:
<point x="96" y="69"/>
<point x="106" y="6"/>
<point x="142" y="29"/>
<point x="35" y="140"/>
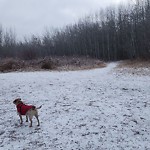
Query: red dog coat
<point x="22" y="108"/>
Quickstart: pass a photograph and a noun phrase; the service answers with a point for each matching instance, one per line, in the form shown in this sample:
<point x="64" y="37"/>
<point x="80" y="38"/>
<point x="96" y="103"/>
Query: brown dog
<point x="27" y="110"/>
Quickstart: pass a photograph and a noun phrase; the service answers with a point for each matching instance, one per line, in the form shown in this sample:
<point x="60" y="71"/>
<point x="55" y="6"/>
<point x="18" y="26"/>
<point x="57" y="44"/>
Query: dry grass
<point x="138" y="63"/>
<point x="54" y="63"/>
<point x="134" y="67"/>
<point x="76" y="63"/>
<point x="11" y="64"/>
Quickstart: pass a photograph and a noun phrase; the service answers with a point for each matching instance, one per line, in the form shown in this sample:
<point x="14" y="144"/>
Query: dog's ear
<point x="16" y="100"/>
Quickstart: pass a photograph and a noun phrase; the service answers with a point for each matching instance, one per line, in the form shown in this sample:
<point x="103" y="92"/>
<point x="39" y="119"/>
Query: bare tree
<point x="110" y="34"/>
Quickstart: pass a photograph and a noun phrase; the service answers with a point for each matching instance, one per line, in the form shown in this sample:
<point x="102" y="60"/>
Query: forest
<point x="110" y="34"/>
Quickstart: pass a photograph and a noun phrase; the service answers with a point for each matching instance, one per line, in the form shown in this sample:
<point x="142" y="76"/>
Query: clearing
<point x="95" y="109"/>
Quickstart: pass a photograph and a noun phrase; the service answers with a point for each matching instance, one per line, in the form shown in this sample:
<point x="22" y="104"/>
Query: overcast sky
<point x="28" y="17"/>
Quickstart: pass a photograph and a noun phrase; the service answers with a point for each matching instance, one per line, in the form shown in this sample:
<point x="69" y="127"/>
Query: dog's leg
<point x="36" y="116"/>
<point x="30" y="117"/>
<point x="26" y="118"/>
<point x="21" y="121"/>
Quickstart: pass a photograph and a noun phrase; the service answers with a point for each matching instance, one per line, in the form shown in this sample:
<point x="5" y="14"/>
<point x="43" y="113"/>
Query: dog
<point x="28" y="110"/>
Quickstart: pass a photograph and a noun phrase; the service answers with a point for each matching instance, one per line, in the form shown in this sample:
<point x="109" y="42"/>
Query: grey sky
<point x="33" y="16"/>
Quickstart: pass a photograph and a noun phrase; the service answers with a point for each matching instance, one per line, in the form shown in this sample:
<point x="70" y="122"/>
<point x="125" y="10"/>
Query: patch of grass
<point x="137" y="63"/>
<point x="134" y="67"/>
<point x="50" y="63"/>
<point x="11" y="64"/>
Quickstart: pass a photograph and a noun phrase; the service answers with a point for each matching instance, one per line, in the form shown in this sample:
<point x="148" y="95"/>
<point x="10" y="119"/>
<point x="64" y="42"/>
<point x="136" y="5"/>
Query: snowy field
<point x="96" y="109"/>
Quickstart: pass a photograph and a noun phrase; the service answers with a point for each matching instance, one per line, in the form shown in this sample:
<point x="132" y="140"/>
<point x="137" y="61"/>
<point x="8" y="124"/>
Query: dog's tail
<point x="39" y="107"/>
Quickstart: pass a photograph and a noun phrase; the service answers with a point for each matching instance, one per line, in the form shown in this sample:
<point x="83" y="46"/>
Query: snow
<point x="97" y="109"/>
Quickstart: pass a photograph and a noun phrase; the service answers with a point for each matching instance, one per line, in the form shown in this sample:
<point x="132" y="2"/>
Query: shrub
<point x="11" y="64"/>
<point x="47" y="65"/>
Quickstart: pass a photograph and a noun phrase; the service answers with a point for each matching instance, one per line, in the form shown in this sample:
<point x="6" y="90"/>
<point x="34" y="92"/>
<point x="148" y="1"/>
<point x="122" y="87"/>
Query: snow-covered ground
<point x="96" y="109"/>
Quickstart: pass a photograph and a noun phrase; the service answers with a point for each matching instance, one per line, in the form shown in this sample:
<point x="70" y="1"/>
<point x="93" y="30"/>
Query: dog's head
<point x="17" y="101"/>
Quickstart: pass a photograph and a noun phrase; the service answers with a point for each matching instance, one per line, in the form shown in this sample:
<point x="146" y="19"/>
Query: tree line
<point x="109" y="34"/>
